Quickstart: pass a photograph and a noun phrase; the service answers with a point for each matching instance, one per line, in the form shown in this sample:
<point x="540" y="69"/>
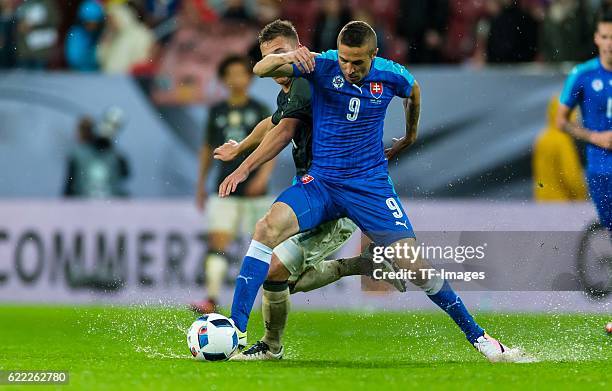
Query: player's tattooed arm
<point x="279" y="64"/>
<point x="272" y="144"/>
<point x="412" y="111"/>
<point x="600" y="139"/>
<point x="232" y="149"/>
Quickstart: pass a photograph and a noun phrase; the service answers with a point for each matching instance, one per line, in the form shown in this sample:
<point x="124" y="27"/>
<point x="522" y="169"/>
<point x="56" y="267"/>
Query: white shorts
<point x="308" y="249"/>
<point x="236" y="214"/>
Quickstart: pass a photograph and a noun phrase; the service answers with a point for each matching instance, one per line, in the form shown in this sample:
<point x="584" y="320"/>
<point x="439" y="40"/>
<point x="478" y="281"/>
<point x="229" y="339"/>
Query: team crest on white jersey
<point x="597" y="85"/>
<point x="338" y="82"/>
<point x="376" y="89"/>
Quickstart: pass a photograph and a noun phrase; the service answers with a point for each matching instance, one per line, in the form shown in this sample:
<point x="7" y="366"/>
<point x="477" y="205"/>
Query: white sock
<point x="215" y="269"/>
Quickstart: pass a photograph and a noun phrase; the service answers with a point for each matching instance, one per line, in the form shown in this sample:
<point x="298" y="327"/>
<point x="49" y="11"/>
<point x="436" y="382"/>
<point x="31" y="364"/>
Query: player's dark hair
<point x="604" y="15"/>
<point x="278" y="28"/>
<point x="231" y="60"/>
<point x="356" y="34"/>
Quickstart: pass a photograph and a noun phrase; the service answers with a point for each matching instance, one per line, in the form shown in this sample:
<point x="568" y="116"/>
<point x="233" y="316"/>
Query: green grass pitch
<point x="144" y="348"/>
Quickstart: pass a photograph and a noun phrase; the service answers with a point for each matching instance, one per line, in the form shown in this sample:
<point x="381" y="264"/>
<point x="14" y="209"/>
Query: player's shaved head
<point x="278" y="28"/>
<point x="356" y="50"/>
<point x="357" y="34"/>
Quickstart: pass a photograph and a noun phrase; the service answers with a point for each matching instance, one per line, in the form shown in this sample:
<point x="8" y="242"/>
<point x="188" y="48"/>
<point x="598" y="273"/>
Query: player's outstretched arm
<point x="412" y="111"/>
<point x="601" y="139"/>
<point x="232" y="149"/>
<point x="272" y="144"/>
<point x="279" y="64"/>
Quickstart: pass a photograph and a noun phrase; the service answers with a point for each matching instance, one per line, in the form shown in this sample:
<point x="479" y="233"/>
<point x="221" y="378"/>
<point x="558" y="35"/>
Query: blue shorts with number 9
<point x="371" y="203"/>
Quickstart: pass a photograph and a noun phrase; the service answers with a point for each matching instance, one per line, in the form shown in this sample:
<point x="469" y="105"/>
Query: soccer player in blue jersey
<point x="300" y="263"/>
<point x="589" y="86"/>
<point x="351" y="89"/>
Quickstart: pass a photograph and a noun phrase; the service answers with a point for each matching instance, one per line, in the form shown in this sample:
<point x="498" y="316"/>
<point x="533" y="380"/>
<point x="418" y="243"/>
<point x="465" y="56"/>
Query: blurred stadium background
<point x="142" y="75"/>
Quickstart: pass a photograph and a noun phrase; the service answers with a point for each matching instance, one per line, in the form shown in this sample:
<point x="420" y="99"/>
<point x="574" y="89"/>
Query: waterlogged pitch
<point x="144" y="348"/>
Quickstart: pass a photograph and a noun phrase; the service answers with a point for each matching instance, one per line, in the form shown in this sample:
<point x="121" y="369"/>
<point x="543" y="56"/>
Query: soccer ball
<point x="212" y="337"/>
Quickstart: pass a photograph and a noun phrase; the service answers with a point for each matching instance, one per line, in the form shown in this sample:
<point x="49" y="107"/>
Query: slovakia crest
<point x="307" y="179"/>
<point x="597" y="85"/>
<point x="376" y="89"/>
<point x="338" y="82"/>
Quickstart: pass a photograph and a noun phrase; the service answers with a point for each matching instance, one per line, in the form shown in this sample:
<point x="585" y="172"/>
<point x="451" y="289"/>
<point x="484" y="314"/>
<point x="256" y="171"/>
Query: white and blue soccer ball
<point x="212" y="337"/>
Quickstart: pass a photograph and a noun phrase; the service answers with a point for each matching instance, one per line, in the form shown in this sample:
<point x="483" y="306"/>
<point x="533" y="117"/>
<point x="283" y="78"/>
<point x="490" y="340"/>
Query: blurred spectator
<point x="266" y="11"/>
<point x="423" y="24"/>
<point x="126" y="41"/>
<point x="187" y="72"/>
<point x="7" y="33"/>
<point x="557" y="172"/>
<point x="37" y="33"/>
<point x="332" y="17"/>
<point x="364" y="15"/>
<point x="161" y="16"/>
<point x="461" y="39"/>
<point x="600" y="4"/>
<point x="160" y="10"/>
<point x="567" y="31"/>
<point x="511" y="33"/>
<point x="536" y="8"/>
<point x="303" y="14"/>
<point x="237" y="11"/>
<point x="196" y="12"/>
<point x="82" y="38"/>
<point x="95" y="168"/>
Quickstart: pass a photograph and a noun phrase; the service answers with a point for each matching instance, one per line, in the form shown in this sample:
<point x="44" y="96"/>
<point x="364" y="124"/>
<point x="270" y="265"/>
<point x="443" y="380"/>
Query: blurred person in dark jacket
<point x="332" y="17"/>
<point x="567" y="31"/>
<point x="95" y="168"/>
<point x="237" y="11"/>
<point x="82" y="38"/>
<point x="422" y="23"/>
<point x="364" y="14"/>
<point x="7" y="33"/>
<point x="511" y="33"/>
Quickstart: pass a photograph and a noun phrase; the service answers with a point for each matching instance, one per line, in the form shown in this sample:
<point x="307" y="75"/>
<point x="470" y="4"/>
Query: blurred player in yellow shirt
<point x="557" y="172"/>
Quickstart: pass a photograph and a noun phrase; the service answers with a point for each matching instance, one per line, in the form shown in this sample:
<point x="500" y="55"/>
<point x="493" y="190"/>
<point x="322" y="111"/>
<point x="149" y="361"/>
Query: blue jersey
<point x="348" y="119"/>
<point x="590" y="86"/>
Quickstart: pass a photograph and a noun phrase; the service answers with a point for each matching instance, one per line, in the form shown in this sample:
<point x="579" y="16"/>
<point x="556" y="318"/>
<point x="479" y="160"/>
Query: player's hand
<point x="399" y="144"/>
<point x="303" y="58"/>
<point x="602" y="139"/>
<point x="201" y="197"/>
<point x="227" y="152"/>
<point x="229" y="184"/>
